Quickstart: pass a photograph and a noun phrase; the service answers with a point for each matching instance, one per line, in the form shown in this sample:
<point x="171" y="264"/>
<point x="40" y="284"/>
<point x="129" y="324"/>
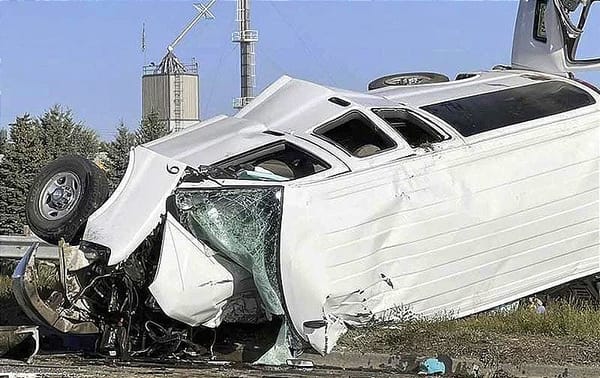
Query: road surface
<point x="72" y="365"/>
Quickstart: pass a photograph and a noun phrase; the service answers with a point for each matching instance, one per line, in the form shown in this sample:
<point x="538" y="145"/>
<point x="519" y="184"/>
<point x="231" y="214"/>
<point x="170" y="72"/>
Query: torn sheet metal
<point x="19" y="342"/>
<point x="212" y="141"/>
<point x="204" y="282"/>
<point x="323" y="334"/>
<point x="71" y="258"/>
<point x="143" y="199"/>
<point x="242" y="224"/>
<point x="439" y="234"/>
<point x="280" y="351"/>
<point x="49" y="312"/>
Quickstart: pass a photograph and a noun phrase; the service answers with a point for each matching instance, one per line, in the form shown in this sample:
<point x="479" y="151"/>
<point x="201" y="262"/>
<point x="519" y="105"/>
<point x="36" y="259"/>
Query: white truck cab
<point x="548" y="33"/>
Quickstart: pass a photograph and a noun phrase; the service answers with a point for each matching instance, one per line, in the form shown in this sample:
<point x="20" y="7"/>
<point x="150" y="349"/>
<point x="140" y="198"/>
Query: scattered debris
<point x="296" y="362"/>
<point x="537" y="305"/>
<point x="19" y="343"/>
<point x="432" y="366"/>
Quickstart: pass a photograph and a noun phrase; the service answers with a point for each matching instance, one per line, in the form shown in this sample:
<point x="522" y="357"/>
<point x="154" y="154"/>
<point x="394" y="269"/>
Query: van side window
<point x="280" y="161"/>
<point x="489" y="111"/>
<point x="356" y="134"/>
<point x="414" y="130"/>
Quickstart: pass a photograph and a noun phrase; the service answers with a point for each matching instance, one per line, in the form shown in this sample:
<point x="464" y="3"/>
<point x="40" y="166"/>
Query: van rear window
<point x="477" y="114"/>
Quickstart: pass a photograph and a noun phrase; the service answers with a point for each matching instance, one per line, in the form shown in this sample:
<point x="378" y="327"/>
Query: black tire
<point x="64" y="194"/>
<point x="409" y="78"/>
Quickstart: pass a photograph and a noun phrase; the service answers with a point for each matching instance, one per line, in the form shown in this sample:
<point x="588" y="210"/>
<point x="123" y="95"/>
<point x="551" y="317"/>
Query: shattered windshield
<point x="281" y="161"/>
<point x="242" y="224"/>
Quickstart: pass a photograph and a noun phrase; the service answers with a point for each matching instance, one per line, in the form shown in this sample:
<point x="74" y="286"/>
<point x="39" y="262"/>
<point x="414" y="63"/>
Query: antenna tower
<point x="247" y="39"/>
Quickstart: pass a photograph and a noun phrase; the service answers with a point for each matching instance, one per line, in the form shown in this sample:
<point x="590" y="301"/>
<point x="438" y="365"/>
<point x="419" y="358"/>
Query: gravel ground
<point x="68" y="366"/>
<point x="489" y="348"/>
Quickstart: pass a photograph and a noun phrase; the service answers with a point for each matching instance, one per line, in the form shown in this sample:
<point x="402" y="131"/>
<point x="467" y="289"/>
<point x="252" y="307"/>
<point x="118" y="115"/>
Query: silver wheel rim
<point x="59" y="196"/>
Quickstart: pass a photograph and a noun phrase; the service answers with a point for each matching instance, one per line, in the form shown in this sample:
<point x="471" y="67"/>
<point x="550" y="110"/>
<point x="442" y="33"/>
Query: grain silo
<point x="172" y="90"/>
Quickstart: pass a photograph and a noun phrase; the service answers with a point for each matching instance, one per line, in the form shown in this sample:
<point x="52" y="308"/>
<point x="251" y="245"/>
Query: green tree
<point x="3" y="141"/>
<point x="151" y="128"/>
<point x="22" y="161"/>
<point x="117" y="155"/>
<point x="61" y="135"/>
<point x="34" y="143"/>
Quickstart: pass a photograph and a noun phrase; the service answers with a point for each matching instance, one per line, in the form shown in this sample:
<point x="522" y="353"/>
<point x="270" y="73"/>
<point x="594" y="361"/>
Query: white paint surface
<point x="551" y="55"/>
<point x="460" y="230"/>
<point x="135" y="207"/>
<point x="190" y="284"/>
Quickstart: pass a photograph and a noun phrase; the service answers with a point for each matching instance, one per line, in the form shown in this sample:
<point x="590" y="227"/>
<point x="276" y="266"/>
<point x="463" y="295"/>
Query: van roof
<point x="297" y="106"/>
<point x="474" y="83"/>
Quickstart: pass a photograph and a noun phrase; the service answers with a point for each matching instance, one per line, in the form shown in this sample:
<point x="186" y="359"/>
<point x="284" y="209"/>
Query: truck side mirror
<point x="548" y="35"/>
<point x="587" y="46"/>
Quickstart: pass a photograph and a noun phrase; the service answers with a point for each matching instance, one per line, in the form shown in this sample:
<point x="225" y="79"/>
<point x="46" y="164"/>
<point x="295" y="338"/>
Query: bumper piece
<point x="19" y="343"/>
<point x="51" y="313"/>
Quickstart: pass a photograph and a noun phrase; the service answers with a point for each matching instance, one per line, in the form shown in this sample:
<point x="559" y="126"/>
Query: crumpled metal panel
<point x="135" y="207"/>
<point x="192" y="284"/>
<point x="50" y="312"/>
<point x="212" y="141"/>
<point x="19" y="342"/>
<point x="243" y="224"/>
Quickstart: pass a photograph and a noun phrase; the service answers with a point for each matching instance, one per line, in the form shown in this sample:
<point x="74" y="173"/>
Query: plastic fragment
<point x="432" y="366"/>
<point x="280" y="352"/>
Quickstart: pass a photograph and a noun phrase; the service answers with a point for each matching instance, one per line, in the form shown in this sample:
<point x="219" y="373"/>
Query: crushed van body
<point x="328" y="208"/>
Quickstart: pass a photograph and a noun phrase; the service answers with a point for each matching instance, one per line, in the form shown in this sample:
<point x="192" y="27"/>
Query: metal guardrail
<point x="14" y="247"/>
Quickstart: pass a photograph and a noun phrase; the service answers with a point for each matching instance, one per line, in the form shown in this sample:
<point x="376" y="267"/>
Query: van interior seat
<point x="366" y="150"/>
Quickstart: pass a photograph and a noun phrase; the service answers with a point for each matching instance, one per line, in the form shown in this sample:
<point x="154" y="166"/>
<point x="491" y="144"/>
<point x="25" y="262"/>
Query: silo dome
<point x="172" y="90"/>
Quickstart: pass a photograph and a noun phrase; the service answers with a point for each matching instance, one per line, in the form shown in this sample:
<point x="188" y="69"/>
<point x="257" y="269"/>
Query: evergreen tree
<point x="22" y="161"/>
<point x="151" y="128"/>
<point x="3" y="141"/>
<point x="117" y="155"/>
<point x="61" y="135"/>
<point x="34" y="143"/>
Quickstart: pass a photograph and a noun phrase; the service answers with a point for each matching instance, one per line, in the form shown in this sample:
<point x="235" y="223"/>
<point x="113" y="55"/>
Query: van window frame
<point x="440" y="132"/>
<point x="346" y="117"/>
<point x="267" y="149"/>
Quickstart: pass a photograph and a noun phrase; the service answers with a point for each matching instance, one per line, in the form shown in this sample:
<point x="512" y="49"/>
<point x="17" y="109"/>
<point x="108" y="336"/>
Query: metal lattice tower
<point x="247" y="39"/>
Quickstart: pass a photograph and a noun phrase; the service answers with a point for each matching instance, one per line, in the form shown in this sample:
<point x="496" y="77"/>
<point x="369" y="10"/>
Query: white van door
<point x="548" y="33"/>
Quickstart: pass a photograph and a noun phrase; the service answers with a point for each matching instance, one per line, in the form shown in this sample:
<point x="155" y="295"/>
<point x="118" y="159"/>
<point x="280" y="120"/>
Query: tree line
<point x="29" y="143"/>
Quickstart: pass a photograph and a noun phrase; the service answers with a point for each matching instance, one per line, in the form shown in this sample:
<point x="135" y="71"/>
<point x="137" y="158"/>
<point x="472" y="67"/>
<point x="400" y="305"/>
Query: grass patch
<point x="6" y="269"/>
<point x="560" y="320"/>
<point x="10" y="312"/>
<point x="565" y="333"/>
<point x="5" y="287"/>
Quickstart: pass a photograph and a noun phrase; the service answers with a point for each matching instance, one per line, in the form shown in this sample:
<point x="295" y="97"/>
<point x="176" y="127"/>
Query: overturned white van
<point x="328" y="207"/>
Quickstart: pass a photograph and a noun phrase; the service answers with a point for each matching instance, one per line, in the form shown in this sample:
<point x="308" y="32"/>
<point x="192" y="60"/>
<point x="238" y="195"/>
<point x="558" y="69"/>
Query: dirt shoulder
<point x="486" y="347"/>
<point x="564" y="334"/>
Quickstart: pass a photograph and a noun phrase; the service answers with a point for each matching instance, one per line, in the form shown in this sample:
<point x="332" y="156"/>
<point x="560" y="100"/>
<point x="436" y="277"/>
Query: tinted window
<point x="489" y="111"/>
<point x="415" y="131"/>
<point x="356" y="134"/>
<point x="275" y="162"/>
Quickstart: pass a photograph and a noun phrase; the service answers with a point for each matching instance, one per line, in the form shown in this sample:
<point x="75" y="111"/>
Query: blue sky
<point x="87" y="56"/>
